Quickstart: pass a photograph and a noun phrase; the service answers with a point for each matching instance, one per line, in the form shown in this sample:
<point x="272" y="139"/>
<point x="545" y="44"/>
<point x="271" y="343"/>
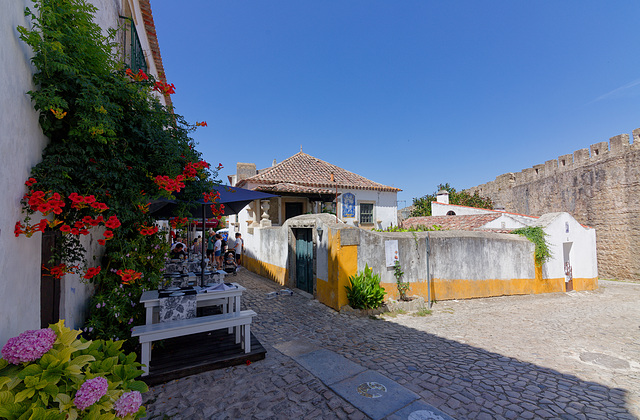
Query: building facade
<point x="27" y="299"/>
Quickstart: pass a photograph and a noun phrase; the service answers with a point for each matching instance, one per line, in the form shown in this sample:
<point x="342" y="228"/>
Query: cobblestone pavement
<point x="573" y="355"/>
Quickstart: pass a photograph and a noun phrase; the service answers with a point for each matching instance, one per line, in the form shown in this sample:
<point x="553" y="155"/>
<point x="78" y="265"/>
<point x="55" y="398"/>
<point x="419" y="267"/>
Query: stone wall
<point x="599" y="186"/>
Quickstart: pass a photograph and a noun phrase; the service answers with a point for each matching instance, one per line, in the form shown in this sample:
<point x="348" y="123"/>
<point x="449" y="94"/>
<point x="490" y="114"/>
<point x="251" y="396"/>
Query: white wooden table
<point x="232" y="297"/>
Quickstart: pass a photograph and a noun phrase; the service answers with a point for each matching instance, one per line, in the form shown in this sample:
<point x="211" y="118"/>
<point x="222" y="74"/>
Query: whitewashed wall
<point x="21" y="146"/>
<point x="583" y="257"/>
<point x="385" y="209"/>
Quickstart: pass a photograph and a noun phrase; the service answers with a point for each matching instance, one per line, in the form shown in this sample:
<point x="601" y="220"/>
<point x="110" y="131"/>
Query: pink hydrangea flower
<point x="90" y="392"/>
<point x="128" y="403"/>
<point x="28" y="346"/>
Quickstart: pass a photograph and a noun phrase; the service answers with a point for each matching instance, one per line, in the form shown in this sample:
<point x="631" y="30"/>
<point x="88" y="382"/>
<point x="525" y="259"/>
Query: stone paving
<point x="562" y="355"/>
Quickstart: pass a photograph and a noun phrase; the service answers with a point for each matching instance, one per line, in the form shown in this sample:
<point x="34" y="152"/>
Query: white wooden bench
<point x="149" y="333"/>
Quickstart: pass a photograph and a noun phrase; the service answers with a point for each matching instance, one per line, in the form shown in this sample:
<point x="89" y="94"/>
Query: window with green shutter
<point x="133" y="53"/>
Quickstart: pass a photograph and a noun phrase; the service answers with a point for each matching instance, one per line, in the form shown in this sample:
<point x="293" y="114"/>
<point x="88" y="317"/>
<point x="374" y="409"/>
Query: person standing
<point x="238" y="246"/>
<point x="211" y="240"/>
<point x="217" y="250"/>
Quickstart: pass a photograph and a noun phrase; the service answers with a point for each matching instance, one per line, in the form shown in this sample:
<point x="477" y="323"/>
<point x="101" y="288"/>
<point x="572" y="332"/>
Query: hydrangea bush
<point x="53" y="374"/>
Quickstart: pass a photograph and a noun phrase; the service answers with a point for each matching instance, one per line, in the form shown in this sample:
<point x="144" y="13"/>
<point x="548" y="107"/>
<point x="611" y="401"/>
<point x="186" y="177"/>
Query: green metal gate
<point x="304" y="259"/>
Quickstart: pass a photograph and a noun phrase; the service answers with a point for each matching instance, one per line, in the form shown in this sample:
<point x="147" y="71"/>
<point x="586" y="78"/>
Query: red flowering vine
<point x="144" y="230"/>
<point x="92" y="272"/>
<point x="168" y="184"/>
<point x="201" y="124"/>
<point x="165" y="88"/>
<point x="138" y="77"/>
<point x="128" y="276"/>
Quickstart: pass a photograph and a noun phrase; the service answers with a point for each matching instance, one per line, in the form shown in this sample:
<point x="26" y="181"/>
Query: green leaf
<point x="24" y="394"/>
<point x="73" y="370"/>
<point x="6" y="397"/>
<point x="138" y="386"/>
<point x="48" y="360"/>
<point x="82" y="360"/>
<point x="66" y="338"/>
<point x="30" y="370"/>
<point x="52" y="375"/>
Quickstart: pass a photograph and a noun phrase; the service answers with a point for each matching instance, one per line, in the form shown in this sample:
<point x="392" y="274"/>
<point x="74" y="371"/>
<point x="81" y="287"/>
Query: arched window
<point x="451" y="213"/>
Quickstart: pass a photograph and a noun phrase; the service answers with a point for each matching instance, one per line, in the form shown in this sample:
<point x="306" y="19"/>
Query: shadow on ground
<point x="461" y="380"/>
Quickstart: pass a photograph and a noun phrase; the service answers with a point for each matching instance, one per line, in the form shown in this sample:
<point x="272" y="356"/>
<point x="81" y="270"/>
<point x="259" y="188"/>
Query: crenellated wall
<point x="599" y="186"/>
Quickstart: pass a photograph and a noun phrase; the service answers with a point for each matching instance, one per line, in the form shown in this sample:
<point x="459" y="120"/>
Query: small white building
<point x="572" y="245"/>
<point x="308" y="185"/>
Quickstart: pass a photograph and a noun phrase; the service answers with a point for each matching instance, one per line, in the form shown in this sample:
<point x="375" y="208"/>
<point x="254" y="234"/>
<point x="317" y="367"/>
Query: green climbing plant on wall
<point x="112" y="147"/>
<point x="536" y="235"/>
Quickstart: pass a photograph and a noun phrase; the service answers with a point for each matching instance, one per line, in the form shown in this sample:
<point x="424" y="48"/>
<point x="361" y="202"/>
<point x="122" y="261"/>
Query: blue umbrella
<point x="233" y="198"/>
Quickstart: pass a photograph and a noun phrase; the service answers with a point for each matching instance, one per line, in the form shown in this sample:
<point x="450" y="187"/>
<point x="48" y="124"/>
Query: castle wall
<point x="599" y="186"/>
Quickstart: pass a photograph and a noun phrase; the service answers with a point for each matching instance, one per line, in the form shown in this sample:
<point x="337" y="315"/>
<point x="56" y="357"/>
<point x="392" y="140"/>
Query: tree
<point x="422" y="205"/>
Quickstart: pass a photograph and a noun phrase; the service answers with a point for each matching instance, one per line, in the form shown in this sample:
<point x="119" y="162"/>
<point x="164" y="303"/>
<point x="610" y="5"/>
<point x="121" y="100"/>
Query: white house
<point x="572" y="245"/>
<point x="28" y="300"/>
<point x="308" y="185"/>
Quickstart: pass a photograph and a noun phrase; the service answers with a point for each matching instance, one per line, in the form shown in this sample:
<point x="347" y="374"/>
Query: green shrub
<point x="364" y="290"/>
<point x="42" y="374"/>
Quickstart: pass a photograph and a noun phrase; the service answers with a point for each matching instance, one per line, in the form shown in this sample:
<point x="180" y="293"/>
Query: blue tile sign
<point x="348" y="205"/>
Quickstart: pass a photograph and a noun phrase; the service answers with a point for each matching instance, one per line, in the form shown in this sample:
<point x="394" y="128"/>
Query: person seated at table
<point x="178" y="252"/>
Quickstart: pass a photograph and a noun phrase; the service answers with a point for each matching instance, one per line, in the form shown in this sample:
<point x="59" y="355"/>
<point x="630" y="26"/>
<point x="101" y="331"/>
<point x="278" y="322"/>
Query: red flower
<point x="101" y="242"/>
<point x="90" y="199"/>
<point x="75" y="231"/>
<point x="30" y="182"/>
<point x="92" y="272"/>
<point x="108" y="234"/>
<point x="18" y="229"/>
<point x="99" y="219"/>
<point x="76" y="198"/>
<point x="99" y="206"/>
<point x="113" y="222"/>
<point x="201" y="124"/>
<point x="126" y="278"/>
<point x="164" y="88"/>
<point x="65" y="228"/>
<point x="43" y="225"/>
<point x="79" y="224"/>
<point x="84" y="232"/>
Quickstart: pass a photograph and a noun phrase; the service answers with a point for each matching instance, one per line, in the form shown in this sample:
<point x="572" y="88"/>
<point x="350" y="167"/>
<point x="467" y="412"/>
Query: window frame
<point x="360" y="212"/>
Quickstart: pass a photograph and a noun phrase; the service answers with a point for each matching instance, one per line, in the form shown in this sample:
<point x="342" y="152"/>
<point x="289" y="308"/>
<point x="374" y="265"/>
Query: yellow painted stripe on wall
<point x="466" y="289"/>
<point x="270" y="271"/>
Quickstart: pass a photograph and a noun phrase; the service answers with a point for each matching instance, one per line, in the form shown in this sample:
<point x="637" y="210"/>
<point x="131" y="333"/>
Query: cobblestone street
<point x="573" y="355"/>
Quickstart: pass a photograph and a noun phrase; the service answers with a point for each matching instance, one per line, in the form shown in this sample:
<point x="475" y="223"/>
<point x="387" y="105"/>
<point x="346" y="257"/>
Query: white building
<point x="572" y="245"/>
<point x="307" y="185"/>
<point x="27" y="299"/>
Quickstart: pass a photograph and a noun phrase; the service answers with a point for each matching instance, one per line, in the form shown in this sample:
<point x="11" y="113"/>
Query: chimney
<point x="245" y="170"/>
<point x="443" y="197"/>
<point x="274" y="163"/>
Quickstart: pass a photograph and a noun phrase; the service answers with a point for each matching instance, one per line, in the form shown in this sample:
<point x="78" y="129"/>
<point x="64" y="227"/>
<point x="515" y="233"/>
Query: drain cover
<point x="371" y="389"/>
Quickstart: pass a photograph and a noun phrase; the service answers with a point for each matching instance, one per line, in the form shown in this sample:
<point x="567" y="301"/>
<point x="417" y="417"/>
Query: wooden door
<point x="49" y="286"/>
<point x="304" y="260"/>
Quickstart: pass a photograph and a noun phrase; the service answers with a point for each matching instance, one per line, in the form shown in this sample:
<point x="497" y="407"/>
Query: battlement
<point x="615" y="147"/>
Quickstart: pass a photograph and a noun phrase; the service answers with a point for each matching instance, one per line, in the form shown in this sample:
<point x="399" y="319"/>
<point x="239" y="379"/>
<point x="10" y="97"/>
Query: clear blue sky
<point x="406" y="93"/>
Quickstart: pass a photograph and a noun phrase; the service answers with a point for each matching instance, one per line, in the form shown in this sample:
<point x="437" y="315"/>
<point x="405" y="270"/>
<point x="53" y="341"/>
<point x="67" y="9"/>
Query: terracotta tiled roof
<point x="152" y="37"/>
<point x="468" y="222"/>
<point x="293" y="188"/>
<point x="303" y="169"/>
